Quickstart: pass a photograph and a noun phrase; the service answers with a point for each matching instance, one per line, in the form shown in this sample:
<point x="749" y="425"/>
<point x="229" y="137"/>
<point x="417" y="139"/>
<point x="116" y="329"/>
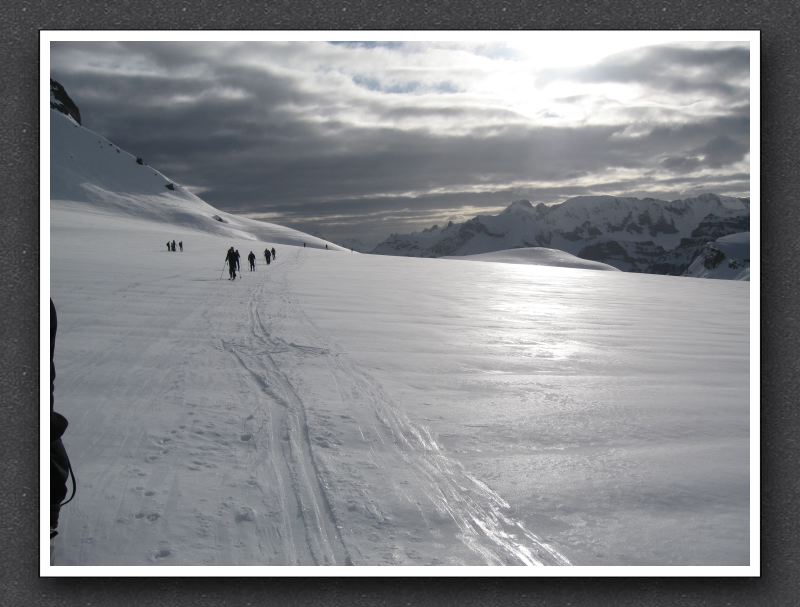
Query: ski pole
<point x="223" y="270"/>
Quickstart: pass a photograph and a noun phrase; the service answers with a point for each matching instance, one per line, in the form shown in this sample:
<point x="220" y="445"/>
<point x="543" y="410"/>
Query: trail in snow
<point x="289" y="450"/>
<point x="441" y="486"/>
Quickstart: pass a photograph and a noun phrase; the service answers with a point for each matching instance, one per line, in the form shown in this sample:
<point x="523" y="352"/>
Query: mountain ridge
<point x="632" y="234"/>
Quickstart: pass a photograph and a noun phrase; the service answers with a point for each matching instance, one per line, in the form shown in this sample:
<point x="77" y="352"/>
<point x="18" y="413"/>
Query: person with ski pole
<point x="252" y="259"/>
<point x="232" y="262"/>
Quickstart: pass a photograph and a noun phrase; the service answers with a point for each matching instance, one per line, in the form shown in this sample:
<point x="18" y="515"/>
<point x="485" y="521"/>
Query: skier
<point x="180" y="245"/>
<point x="252" y="259"/>
<point x="168" y="247"/>
<point x="237" y="259"/>
<point x="266" y="255"/>
<point x="60" y="468"/>
<point x="273" y="253"/>
<point x="232" y="262"/>
<point x="173" y="246"/>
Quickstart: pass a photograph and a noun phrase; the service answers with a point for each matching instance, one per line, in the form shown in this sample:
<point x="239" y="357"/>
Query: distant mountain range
<point x="631" y="234"/>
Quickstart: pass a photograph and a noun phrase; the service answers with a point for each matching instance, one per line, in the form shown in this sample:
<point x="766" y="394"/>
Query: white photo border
<point x="647" y="37"/>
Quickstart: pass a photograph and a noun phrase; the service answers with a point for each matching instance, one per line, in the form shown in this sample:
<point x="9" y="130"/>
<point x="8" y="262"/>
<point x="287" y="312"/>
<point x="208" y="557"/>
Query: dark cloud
<point x="263" y="128"/>
<point x="723" y="150"/>
<point x="685" y="69"/>
<point x="681" y="163"/>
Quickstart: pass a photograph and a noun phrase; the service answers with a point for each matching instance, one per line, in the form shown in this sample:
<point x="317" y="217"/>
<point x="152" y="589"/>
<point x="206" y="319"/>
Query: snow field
<point x="335" y="408"/>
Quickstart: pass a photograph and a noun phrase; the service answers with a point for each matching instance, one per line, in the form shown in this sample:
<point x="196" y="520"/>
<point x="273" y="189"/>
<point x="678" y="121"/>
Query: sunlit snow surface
<point x="337" y="408"/>
<point x="541" y="256"/>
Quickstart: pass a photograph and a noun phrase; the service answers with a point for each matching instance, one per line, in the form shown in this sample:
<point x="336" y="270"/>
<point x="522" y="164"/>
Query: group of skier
<point x="232" y="260"/>
<point x="171" y="246"/>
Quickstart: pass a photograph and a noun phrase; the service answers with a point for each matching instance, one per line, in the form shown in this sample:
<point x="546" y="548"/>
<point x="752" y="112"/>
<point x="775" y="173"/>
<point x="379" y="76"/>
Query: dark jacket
<point x="230" y="258"/>
<point x="59" y="461"/>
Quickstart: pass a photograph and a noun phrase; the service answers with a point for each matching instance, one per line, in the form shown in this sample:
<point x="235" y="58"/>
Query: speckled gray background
<point x="20" y="22"/>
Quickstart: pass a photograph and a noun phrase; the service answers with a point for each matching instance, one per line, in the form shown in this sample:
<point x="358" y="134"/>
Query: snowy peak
<point x="518" y="207"/>
<point x="594" y="204"/>
<point x="727" y="202"/>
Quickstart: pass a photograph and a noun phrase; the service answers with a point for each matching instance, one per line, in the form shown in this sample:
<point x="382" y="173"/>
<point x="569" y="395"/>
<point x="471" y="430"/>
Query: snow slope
<point x="336" y="408"/>
<point x="727" y="257"/>
<point x="538" y="256"/>
<point x="94" y="175"/>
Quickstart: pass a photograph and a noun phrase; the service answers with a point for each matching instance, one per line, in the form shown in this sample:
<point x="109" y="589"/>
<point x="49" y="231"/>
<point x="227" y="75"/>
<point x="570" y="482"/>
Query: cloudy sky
<point x="361" y="139"/>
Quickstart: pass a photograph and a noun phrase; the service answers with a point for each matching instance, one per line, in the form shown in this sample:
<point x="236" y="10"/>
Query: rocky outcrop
<point x="61" y="101"/>
<point x="727" y="257"/>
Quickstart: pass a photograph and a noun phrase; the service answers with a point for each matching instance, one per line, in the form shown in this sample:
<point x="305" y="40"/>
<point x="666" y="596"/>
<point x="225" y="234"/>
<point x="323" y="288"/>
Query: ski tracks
<point x="444" y="497"/>
<point x="293" y="476"/>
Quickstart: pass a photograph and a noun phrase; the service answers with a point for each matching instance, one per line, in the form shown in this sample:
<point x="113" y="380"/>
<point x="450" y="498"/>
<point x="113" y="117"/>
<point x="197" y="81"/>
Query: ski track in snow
<point x="482" y="517"/>
<point x="289" y="449"/>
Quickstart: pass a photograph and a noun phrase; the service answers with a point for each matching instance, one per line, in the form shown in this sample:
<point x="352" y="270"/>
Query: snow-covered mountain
<point x="86" y="169"/>
<point x="631" y="234"/>
<point x="727" y="257"/>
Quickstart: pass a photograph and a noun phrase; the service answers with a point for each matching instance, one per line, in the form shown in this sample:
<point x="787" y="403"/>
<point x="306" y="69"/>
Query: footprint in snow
<point x="245" y="513"/>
